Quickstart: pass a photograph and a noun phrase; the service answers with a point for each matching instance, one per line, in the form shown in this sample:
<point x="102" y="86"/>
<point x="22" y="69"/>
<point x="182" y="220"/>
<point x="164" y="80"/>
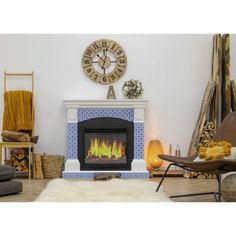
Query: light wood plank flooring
<point x="171" y="185"/>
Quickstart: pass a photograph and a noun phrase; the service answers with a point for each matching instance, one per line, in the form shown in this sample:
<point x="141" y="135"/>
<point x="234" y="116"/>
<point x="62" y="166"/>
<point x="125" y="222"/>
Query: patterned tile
<point x="72" y="140"/>
<point x="138" y="140"/>
<point x="89" y="113"/>
<point x="90" y="175"/>
<point x="135" y="175"/>
<point x="77" y="175"/>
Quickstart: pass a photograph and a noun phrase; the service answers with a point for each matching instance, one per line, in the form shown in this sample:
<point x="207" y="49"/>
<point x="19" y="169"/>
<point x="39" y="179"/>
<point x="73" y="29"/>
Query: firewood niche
<point x="19" y="159"/>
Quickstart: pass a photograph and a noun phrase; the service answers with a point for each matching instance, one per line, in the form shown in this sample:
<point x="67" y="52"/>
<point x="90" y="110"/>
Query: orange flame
<point x="105" y="149"/>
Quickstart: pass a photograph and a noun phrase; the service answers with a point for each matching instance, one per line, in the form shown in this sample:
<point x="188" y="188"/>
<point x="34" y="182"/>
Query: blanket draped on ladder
<point x="18" y="112"/>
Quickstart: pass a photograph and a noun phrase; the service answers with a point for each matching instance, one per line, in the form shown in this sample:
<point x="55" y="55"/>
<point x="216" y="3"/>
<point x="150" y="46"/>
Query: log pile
<point x="106" y="176"/>
<point x="14" y="136"/>
<point x="214" y="96"/>
<point x="225" y="83"/>
<point x="216" y="76"/>
<point x="19" y="159"/>
<point x="233" y="95"/>
<point x="37" y="166"/>
<point x="207" y="134"/>
<point x="196" y="135"/>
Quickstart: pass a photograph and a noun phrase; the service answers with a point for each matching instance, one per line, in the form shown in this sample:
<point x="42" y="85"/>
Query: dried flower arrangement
<point x="132" y="88"/>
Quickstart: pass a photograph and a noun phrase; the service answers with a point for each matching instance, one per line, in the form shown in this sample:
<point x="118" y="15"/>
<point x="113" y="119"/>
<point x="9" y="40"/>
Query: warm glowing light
<point x="105" y="149"/>
<point x="154" y="148"/>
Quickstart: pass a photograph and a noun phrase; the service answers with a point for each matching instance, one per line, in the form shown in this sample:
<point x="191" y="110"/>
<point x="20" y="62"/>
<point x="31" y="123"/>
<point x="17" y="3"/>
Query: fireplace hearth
<point x="105" y="143"/>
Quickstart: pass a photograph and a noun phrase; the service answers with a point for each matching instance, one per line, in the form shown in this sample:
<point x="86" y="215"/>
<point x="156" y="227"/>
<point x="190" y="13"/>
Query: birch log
<point x="14" y="136"/>
<point x="225" y="87"/>
<point x="37" y="166"/>
<point x="216" y="76"/>
<point x="233" y="95"/>
<point x="209" y="92"/>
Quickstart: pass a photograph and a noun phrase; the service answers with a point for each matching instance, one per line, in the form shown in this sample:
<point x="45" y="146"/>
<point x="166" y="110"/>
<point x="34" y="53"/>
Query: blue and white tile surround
<point x="90" y="113"/>
<point x="78" y="111"/>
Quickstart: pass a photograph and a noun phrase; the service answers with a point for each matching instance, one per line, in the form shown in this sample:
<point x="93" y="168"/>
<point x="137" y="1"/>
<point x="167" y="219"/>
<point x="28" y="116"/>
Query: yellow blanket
<point x="18" y="111"/>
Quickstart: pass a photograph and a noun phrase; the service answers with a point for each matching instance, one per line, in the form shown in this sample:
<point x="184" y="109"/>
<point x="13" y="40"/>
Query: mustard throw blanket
<point x="18" y="110"/>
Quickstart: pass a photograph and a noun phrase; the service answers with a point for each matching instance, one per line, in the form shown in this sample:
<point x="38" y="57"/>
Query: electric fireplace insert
<point x="105" y="144"/>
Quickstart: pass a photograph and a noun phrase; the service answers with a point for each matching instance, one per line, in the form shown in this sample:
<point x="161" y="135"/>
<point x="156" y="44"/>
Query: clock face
<point x="104" y="61"/>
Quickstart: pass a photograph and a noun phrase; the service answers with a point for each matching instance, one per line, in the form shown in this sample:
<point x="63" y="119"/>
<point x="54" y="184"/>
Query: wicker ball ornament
<point x="132" y="88"/>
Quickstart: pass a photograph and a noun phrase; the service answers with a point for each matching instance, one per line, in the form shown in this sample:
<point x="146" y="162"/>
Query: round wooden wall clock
<point x="104" y="61"/>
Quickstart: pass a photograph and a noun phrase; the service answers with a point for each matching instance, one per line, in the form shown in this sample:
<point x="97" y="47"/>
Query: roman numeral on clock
<point x="122" y="61"/>
<point x="96" y="46"/>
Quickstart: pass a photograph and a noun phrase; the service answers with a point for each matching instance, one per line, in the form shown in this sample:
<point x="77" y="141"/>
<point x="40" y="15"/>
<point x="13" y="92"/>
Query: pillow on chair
<point x="215" y="151"/>
<point x="232" y="156"/>
<point x="198" y="159"/>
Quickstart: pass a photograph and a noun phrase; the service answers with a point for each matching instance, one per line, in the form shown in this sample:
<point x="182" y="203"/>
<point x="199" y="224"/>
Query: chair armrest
<point x="177" y="159"/>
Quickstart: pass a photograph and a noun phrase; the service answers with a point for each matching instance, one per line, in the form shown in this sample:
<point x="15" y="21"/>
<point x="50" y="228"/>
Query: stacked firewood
<point x="19" y="159"/>
<point x="207" y="134"/>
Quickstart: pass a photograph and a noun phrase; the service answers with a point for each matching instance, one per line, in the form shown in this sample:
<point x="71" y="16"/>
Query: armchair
<point x="227" y="132"/>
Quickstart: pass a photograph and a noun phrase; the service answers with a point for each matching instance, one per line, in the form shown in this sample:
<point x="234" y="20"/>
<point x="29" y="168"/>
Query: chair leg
<point x="217" y="199"/>
<point x="194" y="194"/>
<point x="163" y="177"/>
<point x="219" y="186"/>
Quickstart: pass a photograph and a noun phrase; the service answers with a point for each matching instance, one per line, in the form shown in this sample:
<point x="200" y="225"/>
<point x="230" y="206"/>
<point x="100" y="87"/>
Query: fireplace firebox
<point x="105" y="143"/>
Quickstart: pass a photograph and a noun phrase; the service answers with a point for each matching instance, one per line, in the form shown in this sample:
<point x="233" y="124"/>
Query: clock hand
<point x="105" y="54"/>
<point x="104" y="63"/>
<point x="99" y="57"/>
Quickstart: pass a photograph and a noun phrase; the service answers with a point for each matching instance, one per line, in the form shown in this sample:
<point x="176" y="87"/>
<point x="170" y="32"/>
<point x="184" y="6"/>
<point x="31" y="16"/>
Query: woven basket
<point x="52" y="166"/>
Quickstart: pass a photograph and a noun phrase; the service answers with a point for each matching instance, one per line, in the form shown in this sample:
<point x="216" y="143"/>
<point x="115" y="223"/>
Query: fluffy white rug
<point x="115" y="190"/>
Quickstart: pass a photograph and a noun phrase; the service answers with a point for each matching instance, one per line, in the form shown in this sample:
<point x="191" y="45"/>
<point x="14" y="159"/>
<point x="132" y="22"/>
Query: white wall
<point x="174" y="70"/>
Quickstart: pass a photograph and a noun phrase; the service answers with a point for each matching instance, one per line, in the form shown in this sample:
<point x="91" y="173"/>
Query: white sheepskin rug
<point x="115" y="190"/>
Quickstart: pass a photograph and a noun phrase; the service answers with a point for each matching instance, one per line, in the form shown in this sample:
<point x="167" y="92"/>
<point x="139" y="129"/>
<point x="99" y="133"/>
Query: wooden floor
<point x="181" y="185"/>
<point x="171" y="185"/>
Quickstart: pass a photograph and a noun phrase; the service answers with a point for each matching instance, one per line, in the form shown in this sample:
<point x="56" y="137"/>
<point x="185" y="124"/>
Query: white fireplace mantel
<point x="124" y="103"/>
<point x="137" y="104"/>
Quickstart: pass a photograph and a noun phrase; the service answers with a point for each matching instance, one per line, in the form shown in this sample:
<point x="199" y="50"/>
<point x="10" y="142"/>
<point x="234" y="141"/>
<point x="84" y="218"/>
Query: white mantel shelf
<point x="124" y="103"/>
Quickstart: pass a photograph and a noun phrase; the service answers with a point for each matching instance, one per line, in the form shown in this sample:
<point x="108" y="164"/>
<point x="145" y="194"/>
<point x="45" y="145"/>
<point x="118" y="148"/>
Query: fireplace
<point x="105" y="136"/>
<point x="105" y="143"/>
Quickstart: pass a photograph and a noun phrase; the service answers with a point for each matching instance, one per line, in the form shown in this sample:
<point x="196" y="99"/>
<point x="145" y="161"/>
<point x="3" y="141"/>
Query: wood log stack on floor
<point x="37" y="166"/>
<point x="19" y="159"/>
<point x="43" y="166"/>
